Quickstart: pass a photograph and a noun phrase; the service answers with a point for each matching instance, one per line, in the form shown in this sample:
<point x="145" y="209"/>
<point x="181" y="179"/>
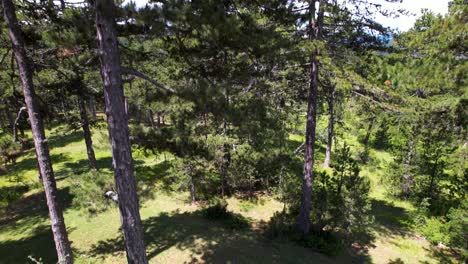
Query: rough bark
<point x="126" y="106"/>
<point x="193" y="197"/>
<point x="11" y="121"/>
<point x="86" y="130"/>
<point x="308" y="174"/>
<point x="158" y="114"/>
<point x="224" y="168"/>
<point x="365" y="155"/>
<point x="59" y="230"/>
<point x="434" y="175"/>
<point x="151" y="118"/>
<point x="92" y="107"/>
<point x="407" y="176"/>
<point x="117" y="121"/>
<point x="16" y="124"/>
<point x="331" y="124"/>
<point x="62" y="4"/>
<point x="369" y="131"/>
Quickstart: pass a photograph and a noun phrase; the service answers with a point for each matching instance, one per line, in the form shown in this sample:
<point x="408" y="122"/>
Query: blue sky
<point x="401" y="23"/>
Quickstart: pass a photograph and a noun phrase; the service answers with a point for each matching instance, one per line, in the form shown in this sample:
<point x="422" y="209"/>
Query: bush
<point x="434" y="230"/>
<point x="283" y="224"/>
<point x="8" y="195"/>
<point x="450" y="230"/>
<point x="9" y="150"/>
<point x="457" y="228"/>
<point x="89" y="190"/>
<point x="196" y="170"/>
<point x="217" y="210"/>
<point x="381" y="139"/>
<point x="324" y="242"/>
<point x="342" y="198"/>
<point x="237" y="222"/>
<point x="280" y="224"/>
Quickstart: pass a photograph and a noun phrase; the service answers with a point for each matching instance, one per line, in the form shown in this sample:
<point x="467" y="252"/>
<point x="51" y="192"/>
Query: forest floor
<point x="175" y="230"/>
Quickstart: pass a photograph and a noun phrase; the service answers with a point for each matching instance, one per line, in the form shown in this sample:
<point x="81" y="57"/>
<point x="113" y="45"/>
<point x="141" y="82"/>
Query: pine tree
<point x="59" y="230"/>
<point x="117" y="121"/>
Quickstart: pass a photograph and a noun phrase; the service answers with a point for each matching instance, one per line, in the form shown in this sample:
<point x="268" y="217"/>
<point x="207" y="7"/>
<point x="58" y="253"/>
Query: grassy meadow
<point x="175" y="231"/>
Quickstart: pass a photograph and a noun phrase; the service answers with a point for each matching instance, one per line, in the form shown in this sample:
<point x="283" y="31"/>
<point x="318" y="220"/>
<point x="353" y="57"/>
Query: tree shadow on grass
<point x="9" y="195"/>
<point x="34" y="207"/>
<point x="61" y="140"/>
<point x="29" y="215"/>
<point x="40" y="245"/>
<point x="154" y="173"/>
<point x="210" y="242"/>
<point x="30" y="164"/>
<point x="82" y="166"/>
<point x="389" y="221"/>
<point x="390" y="218"/>
<point x="396" y="261"/>
<point x="445" y="256"/>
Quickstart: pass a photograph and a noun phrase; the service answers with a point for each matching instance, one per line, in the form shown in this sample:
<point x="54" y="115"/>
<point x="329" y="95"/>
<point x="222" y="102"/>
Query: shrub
<point x="8" y="195"/>
<point x="217" y="210"/>
<point x="324" y="242"/>
<point x="196" y="170"/>
<point x="457" y="228"/>
<point x="381" y="139"/>
<point x="450" y="230"/>
<point x="237" y="221"/>
<point x="9" y="150"/>
<point x="280" y="224"/>
<point x="283" y="224"/>
<point x="89" y="190"/>
<point x="434" y="230"/>
<point x="342" y="198"/>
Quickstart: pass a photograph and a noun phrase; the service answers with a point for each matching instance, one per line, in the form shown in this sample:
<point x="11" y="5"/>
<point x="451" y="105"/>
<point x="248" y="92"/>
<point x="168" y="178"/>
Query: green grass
<point x="175" y="231"/>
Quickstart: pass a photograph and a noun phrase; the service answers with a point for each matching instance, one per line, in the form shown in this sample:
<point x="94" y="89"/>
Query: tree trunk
<point x="308" y="175"/>
<point x="408" y="177"/>
<point x="126" y="106"/>
<point x="365" y="154"/>
<point x="86" y="130"/>
<point x="62" y="4"/>
<point x="64" y="111"/>
<point x="16" y="125"/>
<point x="192" y="190"/>
<point x="369" y="131"/>
<point x="224" y="168"/>
<point x="59" y="230"/>
<point x="151" y="118"/>
<point x="11" y="122"/>
<point x="158" y="118"/>
<point x="331" y="123"/>
<point x="92" y="107"/>
<point x="434" y="175"/>
<point x="117" y="121"/>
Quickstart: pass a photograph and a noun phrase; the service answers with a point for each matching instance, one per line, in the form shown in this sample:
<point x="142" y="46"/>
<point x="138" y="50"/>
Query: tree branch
<point x="131" y="71"/>
<point x="18" y="116"/>
<point x="299" y="149"/>
<point x="385" y="108"/>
